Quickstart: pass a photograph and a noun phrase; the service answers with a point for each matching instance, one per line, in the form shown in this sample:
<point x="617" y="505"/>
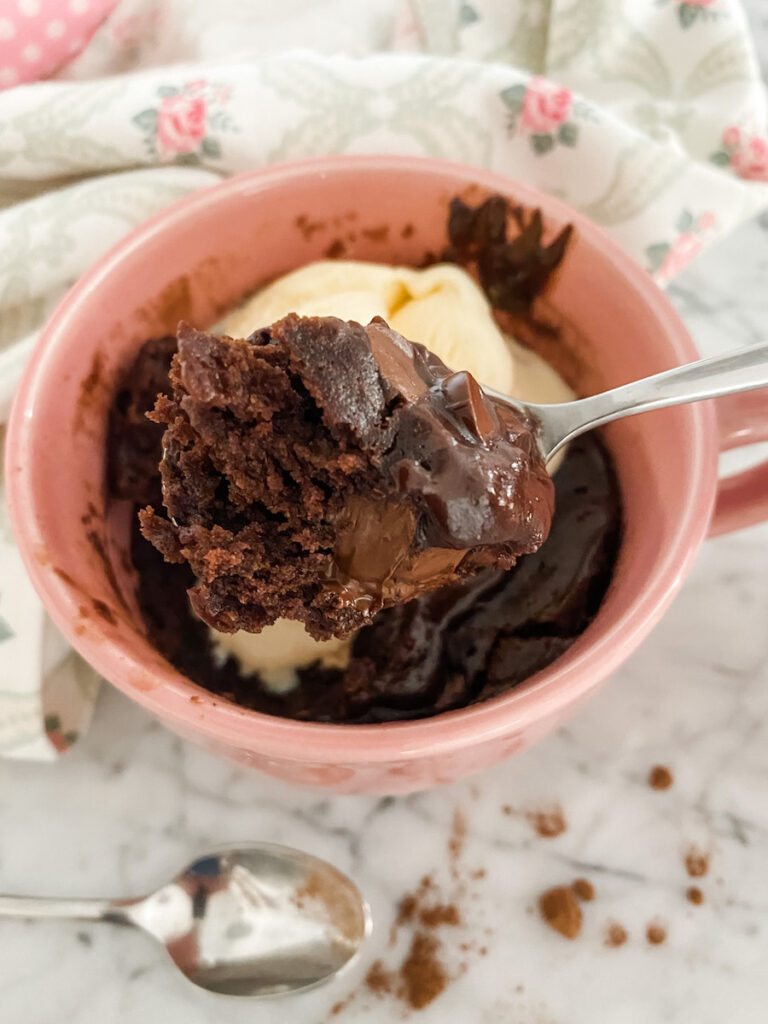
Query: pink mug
<point x="198" y="258"/>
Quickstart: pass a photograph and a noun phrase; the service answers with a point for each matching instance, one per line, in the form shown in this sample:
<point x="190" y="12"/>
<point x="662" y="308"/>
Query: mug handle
<point x="742" y="499"/>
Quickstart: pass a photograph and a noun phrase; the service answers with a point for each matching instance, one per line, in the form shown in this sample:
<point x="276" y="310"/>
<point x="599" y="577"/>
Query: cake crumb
<point x="660" y="777"/>
<point x="559" y="908"/>
<point x="584" y="889"/>
<point x="696" y="862"/>
<point x="694" y="895"/>
<point x="656" y="934"/>
<point x="615" y="935"/>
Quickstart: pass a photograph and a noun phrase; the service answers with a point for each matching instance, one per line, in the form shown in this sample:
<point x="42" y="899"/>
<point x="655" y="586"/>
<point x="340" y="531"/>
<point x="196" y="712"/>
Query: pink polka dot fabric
<point x="37" y="37"/>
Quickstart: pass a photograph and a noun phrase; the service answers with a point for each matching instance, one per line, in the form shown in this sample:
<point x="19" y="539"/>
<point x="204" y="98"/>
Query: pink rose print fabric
<point x="180" y="123"/>
<point x="542" y="110"/>
<point x="185" y="125"/>
<point x="744" y="153"/>
<point x="666" y="259"/>
<point x="545" y="107"/>
<point x="37" y="37"/>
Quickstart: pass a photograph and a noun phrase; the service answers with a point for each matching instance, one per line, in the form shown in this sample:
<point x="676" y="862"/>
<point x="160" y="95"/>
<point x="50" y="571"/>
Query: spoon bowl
<point x="255" y="920"/>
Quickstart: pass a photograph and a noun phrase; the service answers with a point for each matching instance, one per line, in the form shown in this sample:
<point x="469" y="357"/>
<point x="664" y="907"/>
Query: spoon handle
<point x="743" y="370"/>
<point x="79" y="909"/>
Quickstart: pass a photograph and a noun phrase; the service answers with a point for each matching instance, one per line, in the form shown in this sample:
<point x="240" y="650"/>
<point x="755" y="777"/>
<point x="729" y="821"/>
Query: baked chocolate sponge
<point x="320" y="470"/>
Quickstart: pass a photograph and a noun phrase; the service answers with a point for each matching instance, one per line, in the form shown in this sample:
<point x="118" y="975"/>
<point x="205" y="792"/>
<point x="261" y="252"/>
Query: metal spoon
<point x="251" y="921"/>
<point x="743" y="370"/>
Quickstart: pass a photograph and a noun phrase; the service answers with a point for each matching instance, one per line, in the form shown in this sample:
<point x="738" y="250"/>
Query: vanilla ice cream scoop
<point x="440" y="307"/>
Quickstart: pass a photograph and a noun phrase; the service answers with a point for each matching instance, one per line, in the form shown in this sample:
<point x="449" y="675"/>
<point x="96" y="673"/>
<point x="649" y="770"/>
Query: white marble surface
<point x="131" y="803"/>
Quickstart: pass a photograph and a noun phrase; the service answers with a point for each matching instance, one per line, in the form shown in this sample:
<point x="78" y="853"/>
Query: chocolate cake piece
<point x="322" y="471"/>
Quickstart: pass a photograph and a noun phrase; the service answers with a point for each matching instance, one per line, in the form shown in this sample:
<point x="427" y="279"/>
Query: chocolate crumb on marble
<point x="660" y="777"/>
<point x="656" y="933"/>
<point x="694" y="895"/>
<point x="615" y="935"/>
<point x="560" y="909"/>
<point x="583" y="889"/>
<point x="548" y="824"/>
<point x="696" y="862"/>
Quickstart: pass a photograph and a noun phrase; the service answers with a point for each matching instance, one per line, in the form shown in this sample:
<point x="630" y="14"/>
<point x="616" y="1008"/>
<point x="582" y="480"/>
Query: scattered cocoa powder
<point x="696" y="862"/>
<point x="615" y="935"/>
<point x="584" y="889"/>
<point x="478" y="875"/>
<point x="342" y="1004"/>
<point x="560" y="909"/>
<point x="655" y="933"/>
<point x="440" y="914"/>
<point x="421" y="973"/>
<point x="406" y="910"/>
<point x="695" y="895"/>
<point x="548" y="824"/>
<point x="508" y="810"/>
<point x="422" y="976"/>
<point x="379" y="980"/>
<point x="457" y="839"/>
<point x="660" y="777"/>
<point x="407" y="231"/>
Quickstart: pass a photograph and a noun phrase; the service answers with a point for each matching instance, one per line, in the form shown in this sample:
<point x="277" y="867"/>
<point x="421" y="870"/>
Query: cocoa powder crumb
<point x="478" y="875"/>
<point x="695" y="895"/>
<point x="342" y="1004"/>
<point x="378" y="979"/>
<point x="508" y="810"/>
<point x="660" y="777"/>
<point x="457" y="840"/>
<point x="548" y="824"/>
<point x="656" y="934"/>
<point x="422" y="976"/>
<point x="696" y="863"/>
<point x="584" y="889"/>
<point x="615" y="935"/>
<point x="559" y="908"/>
<point x="407" y="908"/>
<point x="441" y="914"/>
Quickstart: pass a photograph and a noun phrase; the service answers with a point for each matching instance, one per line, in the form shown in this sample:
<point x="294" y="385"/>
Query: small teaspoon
<point x="254" y="920"/>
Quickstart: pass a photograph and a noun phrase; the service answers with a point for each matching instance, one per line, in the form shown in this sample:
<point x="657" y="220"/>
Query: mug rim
<point x="218" y="719"/>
